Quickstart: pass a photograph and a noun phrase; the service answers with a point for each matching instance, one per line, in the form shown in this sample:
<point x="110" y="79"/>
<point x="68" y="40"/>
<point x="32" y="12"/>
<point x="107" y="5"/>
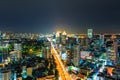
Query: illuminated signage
<point x="64" y="56"/>
<point x="84" y="54"/>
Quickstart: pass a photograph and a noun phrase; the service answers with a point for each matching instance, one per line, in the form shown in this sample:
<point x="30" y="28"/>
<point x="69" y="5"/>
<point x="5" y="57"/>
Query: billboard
<point x="64" y="56"/>
<point x="90" y="33"/>
<point x="84" y="54"/>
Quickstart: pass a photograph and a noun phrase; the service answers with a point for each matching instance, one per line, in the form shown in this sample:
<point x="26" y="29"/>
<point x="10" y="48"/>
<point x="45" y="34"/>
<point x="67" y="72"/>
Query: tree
<point x="56" y="74"/>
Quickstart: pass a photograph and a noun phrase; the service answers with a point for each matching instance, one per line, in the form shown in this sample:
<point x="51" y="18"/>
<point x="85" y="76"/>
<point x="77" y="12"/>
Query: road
<point x="64" y="75"/>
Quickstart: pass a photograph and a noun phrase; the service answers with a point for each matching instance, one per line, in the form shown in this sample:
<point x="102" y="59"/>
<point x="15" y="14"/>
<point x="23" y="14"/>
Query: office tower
<point x="18" y="48"/>
<point x="19" y="78"/>
<point x="90" y="33"/>
<point x="101" y="39"/>
<point x="76" y="54"/>
<point x="29" y="71"/>
<point x="60" y="38"/>
<point x="64" y="36"/>
<point x="0" y="57"/>
<point x="13" y="56"/>
<point x="115" y="46"/>
<point x="47" y="50"/>
<point x="24" y="72"/>
<point x="3" y="53"/>
<point x="57" y="38"/>
<point x="5" y="74"/>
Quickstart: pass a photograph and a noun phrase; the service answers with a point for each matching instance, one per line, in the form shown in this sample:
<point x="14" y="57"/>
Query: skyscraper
<point x="3" y="53"/>
<point x="76" y="55"/>
<point x="5" y="74"/>
<point x="46" y="50"/>
<point x="18" y="48"/>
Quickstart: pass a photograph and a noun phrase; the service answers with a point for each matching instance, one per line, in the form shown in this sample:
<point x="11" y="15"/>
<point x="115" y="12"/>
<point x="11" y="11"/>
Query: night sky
<point x="47" y="16"/>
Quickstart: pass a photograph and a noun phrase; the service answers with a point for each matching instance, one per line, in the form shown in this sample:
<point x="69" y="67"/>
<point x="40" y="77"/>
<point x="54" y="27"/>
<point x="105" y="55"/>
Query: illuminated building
<point x="29" y="71"/>
<point x="3" y="53"/>
<point x="64" y="33"/>
<point x="0" y="38"/>
<point x="24" y="72"/>
<point x="46" y="50"/>
<point x="90" y="33"/>
<point x="64" y="39"/>
<point x="76" y="54"/>
<point x="101" y="39"/>
<point x="19" y="78"/>
<point x="18" y="48"/>
<point x="5" y="74"/>
<point x="115" y="46"/>
<point x="0" y="57"/>
<point x="58" y="37"/>
<point x="15" y="55"/>
<point x="77" y="39"/>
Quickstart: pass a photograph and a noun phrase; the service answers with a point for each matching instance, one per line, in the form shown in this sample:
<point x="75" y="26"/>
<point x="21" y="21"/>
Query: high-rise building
<point x="90" y="33"/>
<point x="0" y="57"/>
<point x="0" y="38"/>
<point x="57" y="38"/>
<point x="64" y="36"/>
<point x="13" y="55"/>
<point x="115" y="46"/>
<point x="29" y="71"/>
<point x="47" y="50"/>
<point x="64" y="39"/>
<point x="76" y="55"/>
<point x="18" y="48"/>
<point x="60" y="37"/>
<point x="19" y="78"/>
<point x="101" y="39"/>
<point x="3" y="53"/>
<point x="5" y="74"/>
<point x="24" y="72"/>
<point x="63" y="53"/>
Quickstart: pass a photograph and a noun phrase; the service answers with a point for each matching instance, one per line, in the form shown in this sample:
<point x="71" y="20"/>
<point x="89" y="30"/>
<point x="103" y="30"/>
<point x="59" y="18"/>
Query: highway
<point x="64" y="75"/>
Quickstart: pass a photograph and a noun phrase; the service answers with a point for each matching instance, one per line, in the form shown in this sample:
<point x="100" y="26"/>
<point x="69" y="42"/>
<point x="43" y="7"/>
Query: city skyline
<point x="49" y="16"/>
